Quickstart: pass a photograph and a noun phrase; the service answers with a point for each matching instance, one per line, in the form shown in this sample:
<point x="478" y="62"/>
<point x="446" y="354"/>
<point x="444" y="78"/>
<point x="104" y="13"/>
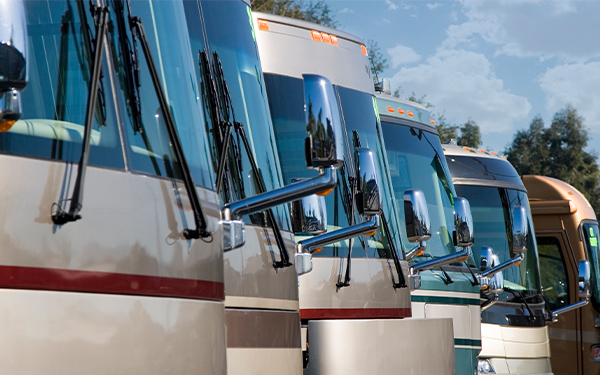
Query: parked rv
<point x="566" y="230"/>
<point x="358" y="293"/>
<point x="513" y="316"/>
<point x="416" y="160"/>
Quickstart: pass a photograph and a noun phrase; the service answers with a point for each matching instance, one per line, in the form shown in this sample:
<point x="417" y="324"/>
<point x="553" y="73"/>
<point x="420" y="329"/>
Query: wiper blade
<point x="401" y="279"/>
<point x="137" y="30"/>
<point x="60" y="216"/>
<point x="223" y="137"/>
<point x="516" y="294"/>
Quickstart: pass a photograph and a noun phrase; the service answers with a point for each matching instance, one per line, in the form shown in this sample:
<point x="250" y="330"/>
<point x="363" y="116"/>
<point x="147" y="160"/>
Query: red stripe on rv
<point x="15" y="277"/>
<point x="355" y="313"/>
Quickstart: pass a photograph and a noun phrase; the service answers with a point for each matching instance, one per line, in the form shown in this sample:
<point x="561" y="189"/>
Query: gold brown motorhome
<point x="566" y="229"/>
<point x="354" y="301"/>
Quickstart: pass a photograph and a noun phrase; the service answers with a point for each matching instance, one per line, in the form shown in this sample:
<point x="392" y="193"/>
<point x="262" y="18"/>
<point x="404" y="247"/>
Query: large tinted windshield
<point x="492" y="208"/>
<point x="230" y="37"/>
<point x="286" y="100"/>
<point x="591" y="233"/>
<point x="416" y="161"/>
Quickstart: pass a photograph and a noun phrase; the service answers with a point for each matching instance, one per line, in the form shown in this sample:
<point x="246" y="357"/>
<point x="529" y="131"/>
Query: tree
<point x="446" y="131"/>
<point x="376" y="60"/>
<point x="558" y="151"/>
<point x="317" y="12"/>
<point x="470" y="134"/>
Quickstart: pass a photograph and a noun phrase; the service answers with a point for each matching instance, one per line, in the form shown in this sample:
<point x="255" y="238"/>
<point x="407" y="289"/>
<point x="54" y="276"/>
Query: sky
<point x="499" y="63"/>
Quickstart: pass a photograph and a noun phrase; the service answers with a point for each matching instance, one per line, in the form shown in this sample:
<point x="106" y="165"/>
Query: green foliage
<point x="558" y="151"/>
<point x="446" y="131"/>
<point x="470" y="135"/>
<point x="317" y="12"/>
<point x="376" y="59"/>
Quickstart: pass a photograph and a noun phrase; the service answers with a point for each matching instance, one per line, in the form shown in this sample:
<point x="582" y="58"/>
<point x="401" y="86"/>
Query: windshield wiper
<point x="518" y="295"/>
<point x="137" y="31"/>
<point x="401" y="279"/>
<point x="225" y="139"/>
<point x="60" y="216"/>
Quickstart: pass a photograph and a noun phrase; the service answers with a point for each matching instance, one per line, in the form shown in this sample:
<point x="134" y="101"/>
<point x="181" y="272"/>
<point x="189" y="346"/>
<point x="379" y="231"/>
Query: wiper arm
<point x="137" y="29"/>
<point x="401" y="279"/>
<point x="221" y="116"/>
<point x="522" y="299"/>
<point x="60" y="216"/>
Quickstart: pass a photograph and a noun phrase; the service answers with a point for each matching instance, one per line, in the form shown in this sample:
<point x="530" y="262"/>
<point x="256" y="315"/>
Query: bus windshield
<point x="286" y="101"/>
<point x="416" y="161"/>
<point x="491" y="208"/>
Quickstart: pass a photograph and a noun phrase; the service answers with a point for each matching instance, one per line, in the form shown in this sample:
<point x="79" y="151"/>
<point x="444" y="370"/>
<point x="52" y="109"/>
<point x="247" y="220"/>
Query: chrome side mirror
<point x="495" y="283"/>
<point x="463" y="237"/>
<point x="520" y="230"/>
<point x="584" y="291"/>
<point x="369" y="201"/>
<point x="584" y="279"/>
<point x="418" y="225"/>
<point x="325" y="144"/>
<point x="13" y="55"/>
<point x="463" y="221"/>
<point x="309" y="215"/>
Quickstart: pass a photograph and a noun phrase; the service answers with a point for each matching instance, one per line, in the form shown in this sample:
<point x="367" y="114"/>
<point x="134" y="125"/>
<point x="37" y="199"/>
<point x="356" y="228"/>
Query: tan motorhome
<point x="566" y="229"/>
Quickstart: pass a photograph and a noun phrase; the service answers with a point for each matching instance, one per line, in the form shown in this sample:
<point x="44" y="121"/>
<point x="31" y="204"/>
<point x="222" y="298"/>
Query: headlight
<point x="485" y="367"/>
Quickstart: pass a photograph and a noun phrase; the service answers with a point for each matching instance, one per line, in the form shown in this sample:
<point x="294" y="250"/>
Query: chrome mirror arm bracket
<point x="416" y="251"/>
<point x="234" y="211"/>
<point x="501" y="267"/>
<point x="441" y="261"/>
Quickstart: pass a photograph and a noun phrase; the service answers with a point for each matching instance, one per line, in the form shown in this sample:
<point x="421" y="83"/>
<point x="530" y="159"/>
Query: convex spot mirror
<point x="463" y="221"/>
<point x="520" y="230"/>
<point x="416" y="215"/>
<point x="309" y="215"/>
<point x="324" y="145"/>
<point x="368" y="198"/>
<point x="584" y="279"/>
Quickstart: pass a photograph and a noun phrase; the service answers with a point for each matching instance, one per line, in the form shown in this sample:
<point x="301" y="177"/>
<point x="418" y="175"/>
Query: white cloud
<point x="402" y="55"/>
<point x="576" y="84"/>
<point x="462" y="84"/>
<point x="391" y="6"/>
<point x="531" y="28"/>
<point x="346" y="10"/>
<point x="432" y="6"/>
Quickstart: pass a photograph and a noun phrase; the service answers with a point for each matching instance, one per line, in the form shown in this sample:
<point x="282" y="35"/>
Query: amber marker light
<point x="420" y="253"/>
<point x="400" y="111"/>
<point x="263" y="25"/>
<point x="326" y="38"/>
<point x="371" y="234"/>
<point x="431" y="121"/>
<point x="363" y="50"/>
<point x="316" y="36"/>
<point x="324" y="192"/>
<point x="6" y="125"/>
<point x="317" y="250"/>
<point x="390" y="109"/>
<point x="410" y="114"/>
<point x="465" y="259"/>
<point x="334" y="40"/>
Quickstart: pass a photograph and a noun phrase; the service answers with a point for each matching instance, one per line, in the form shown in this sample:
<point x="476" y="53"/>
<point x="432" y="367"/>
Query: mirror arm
<point x="437" y="262"/>
<point x="236" y="210"/>
<point x="416" y="251"/>
<point x="568" y="308"/>
<point x="305" y="246"/>
<point x="501" y="267"/>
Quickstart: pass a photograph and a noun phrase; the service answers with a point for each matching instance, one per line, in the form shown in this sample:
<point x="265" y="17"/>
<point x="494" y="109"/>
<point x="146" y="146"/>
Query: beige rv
<point x="567" y="232"/>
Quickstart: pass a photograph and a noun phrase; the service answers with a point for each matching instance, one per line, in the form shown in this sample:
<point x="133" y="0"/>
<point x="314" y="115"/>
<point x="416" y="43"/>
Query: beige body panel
<point x="370" y="289"/>
<point x="264" y="361"/>
<point x="334" y="343"/>
<point x="514" y="342"/>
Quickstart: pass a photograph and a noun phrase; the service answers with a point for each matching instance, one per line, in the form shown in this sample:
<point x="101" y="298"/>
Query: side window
<point x="554" y="275"/>
<point x="54" y="103"/>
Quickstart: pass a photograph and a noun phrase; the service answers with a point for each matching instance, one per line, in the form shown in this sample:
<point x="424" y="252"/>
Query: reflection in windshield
<point x="415" y="163"/>
<point x="591" y="233"/>
<point x="491" y="208"/>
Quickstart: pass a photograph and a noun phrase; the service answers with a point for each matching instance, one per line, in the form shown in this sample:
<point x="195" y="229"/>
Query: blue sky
<point x="498" y="62"/>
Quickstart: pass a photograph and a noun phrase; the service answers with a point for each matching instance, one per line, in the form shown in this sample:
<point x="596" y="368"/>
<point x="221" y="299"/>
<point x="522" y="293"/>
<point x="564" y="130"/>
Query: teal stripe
<point x="465" y="361"/>
<point x="446" y="300"/>
<point x="468" y="342"/>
